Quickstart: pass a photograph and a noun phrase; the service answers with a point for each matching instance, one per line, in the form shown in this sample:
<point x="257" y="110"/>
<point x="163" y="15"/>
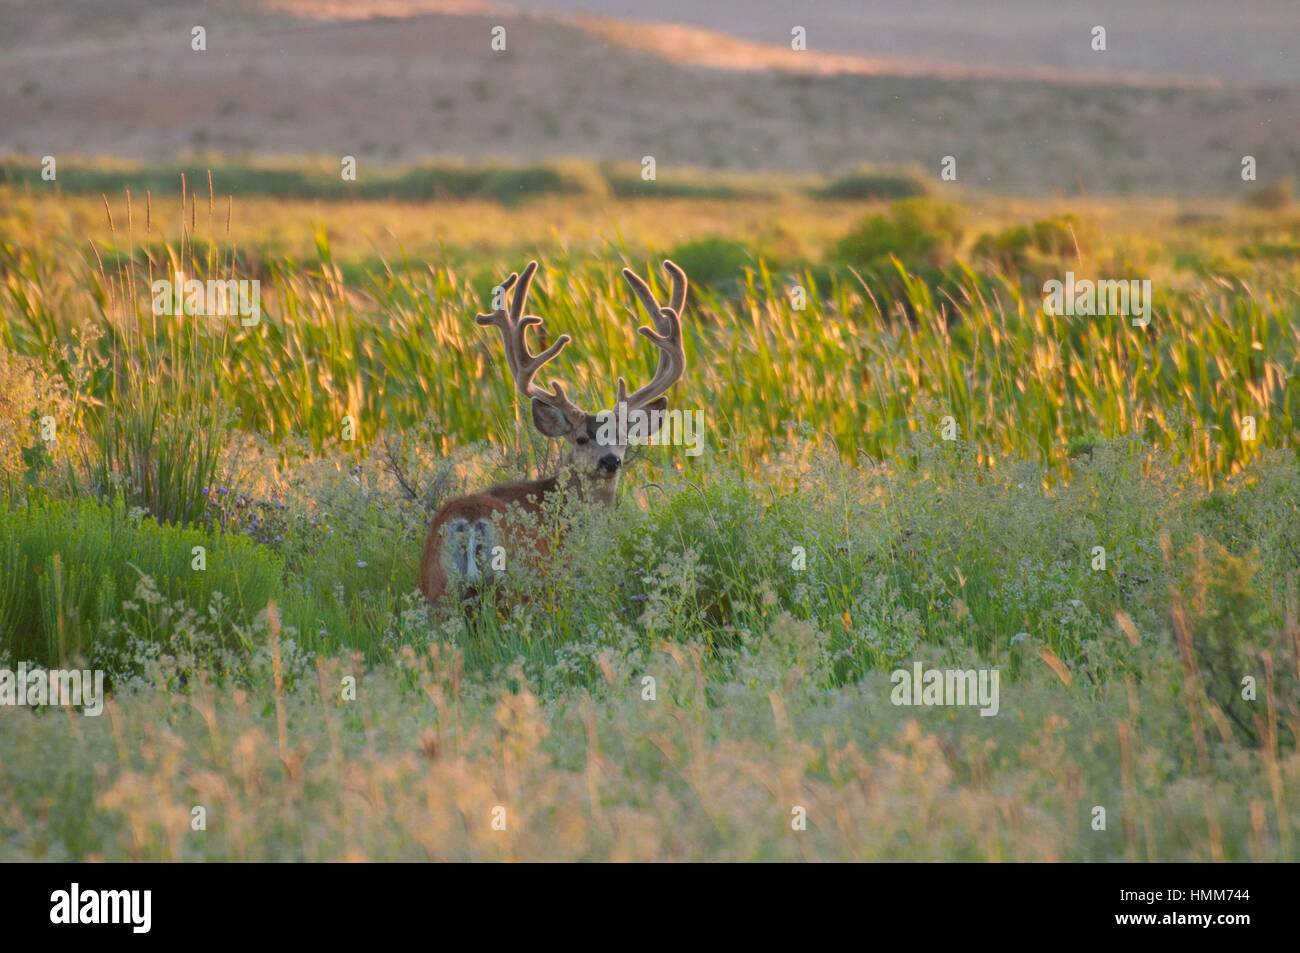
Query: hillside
<point x="394" y="82"/>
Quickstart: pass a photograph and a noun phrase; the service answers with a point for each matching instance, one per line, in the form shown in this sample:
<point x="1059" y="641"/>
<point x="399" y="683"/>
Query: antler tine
<point x="665" y="335"/>
<point x="521" y="292"/>
<point x="678" y="300"/>
<point x="514" y="326"/>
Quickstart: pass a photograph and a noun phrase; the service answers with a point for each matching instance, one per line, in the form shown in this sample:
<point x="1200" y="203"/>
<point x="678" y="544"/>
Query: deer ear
<point x="550" y="421"/>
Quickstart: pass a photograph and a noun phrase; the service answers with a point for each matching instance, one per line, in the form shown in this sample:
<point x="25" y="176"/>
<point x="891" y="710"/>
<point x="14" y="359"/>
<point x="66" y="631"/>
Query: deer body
<point x="471" y="538"/>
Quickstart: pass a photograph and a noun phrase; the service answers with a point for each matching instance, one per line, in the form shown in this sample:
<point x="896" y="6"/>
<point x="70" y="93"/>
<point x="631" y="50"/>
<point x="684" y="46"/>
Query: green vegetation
<point x="717" y="264"/>
<point x="393" y="345"/>
<point x="508" y="185"/>
<point x="913" y="464"/>
<point x="867" y="184"/>
<point x="915" y="231"/>
<point x="72" y="569"/>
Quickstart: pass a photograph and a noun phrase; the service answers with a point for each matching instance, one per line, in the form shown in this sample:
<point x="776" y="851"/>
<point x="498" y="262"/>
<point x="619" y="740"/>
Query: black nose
<point x="609" y="463"/>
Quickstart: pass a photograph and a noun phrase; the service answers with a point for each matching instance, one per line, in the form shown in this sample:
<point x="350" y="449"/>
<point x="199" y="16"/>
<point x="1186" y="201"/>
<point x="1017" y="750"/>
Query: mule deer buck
<point x="461" y="551"/>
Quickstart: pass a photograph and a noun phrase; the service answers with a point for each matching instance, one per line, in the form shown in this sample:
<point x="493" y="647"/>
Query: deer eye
<point x="581" y="441"/>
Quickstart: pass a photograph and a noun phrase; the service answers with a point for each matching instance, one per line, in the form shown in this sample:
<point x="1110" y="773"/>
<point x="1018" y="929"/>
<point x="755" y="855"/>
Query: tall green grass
<point x="68" y="568"/>
<point x="865" y="367"/>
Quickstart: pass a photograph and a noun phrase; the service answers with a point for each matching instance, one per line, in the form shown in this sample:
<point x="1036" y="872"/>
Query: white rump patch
<point x="467" y="550"/>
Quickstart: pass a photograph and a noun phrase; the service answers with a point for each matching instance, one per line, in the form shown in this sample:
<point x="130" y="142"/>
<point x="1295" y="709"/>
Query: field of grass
<point x="907" y="460"/>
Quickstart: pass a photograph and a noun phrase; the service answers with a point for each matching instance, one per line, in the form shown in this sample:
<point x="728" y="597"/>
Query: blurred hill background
<point x="1013" y="90"/>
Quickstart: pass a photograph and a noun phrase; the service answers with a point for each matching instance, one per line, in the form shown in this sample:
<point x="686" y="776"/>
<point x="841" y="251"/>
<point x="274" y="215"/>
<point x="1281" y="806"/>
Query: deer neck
<point x="586" y="488"/>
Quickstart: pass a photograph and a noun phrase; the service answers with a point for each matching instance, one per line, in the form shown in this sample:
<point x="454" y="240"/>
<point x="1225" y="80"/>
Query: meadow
<point x="907" y="459"/>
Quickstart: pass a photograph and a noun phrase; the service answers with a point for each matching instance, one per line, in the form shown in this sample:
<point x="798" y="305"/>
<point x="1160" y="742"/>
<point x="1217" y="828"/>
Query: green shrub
<point x="1006" y="250"/>
<point x="915" y="231"/>
<point x="67" y="568"/>
<point x="866" y="185"/>
<point x="626" y="183"/>
<point x="1232" y="636"/>
<point x="1044" y="244"/>
<point x="714" y="262"/>
<point x="507" y="185"/>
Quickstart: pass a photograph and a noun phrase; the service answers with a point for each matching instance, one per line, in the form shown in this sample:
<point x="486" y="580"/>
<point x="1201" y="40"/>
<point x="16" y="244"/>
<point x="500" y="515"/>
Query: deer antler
<point x="665" y="335"/>
<point x="514" y="326"/>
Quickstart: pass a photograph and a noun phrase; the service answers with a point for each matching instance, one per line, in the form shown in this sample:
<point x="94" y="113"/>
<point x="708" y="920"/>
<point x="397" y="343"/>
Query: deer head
<point x="597" y="443"/>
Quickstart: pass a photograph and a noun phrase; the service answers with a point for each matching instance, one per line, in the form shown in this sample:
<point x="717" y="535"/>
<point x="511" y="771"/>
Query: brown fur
<point x="433" y="576"/>
<point x="515" y="506"/>
<point x="592" y="463"/>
